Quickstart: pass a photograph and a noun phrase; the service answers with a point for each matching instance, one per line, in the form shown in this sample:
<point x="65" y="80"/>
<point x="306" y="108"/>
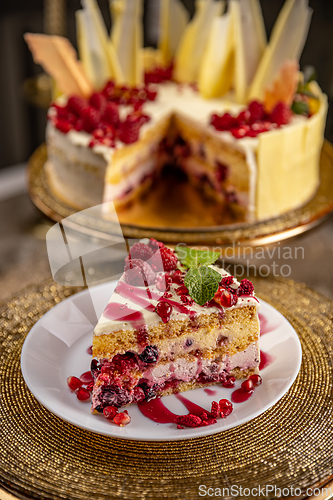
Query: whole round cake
<point x="230" y="110"/>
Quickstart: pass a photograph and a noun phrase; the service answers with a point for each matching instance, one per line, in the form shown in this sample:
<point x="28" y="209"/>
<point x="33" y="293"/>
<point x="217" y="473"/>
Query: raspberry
<point x="140" y="251"/>
<point x="224" y="122"/>
<point x="122" y="419"/>
<point x="164" y="310"/>
<point x="98" y="101"/>
<point x="243" y="117"/>
<point x="110" y="412"/>
<point x="256" y="110"/>
<point x="226" y="407"/>
<point x="63" y="125"/>
<point x="155" y="245"/>
<point x="245" y="287"/>
<point x="77" y="105"/>
<point x="74" y="383"/>
<point x="139" y="273"/>
<point x="129" y="130"/>
<point x="150" y="354"/>
<point x="214" y="409"/>
<point x="281" y="114"/>
<point x="186" y="299"/>
<point x="78" y="124"/>
<point x="227" y="281"/>
<point x="188" y="420"/>
<point x="91" y="119"/>
<point x="164" y="260"/>
<point x="111" y="114"/>
<point x="240" y="132"/>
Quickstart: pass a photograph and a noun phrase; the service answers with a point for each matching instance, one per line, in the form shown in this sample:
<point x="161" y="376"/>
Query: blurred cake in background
<point x="231" y="111"/>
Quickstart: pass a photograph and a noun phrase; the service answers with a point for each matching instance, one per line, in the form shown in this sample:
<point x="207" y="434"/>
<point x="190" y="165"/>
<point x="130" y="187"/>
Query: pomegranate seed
<point x="74" y="383"/>
<point x="248" y="385"/>
<point x="256" y="379"/>
<point x="82" y="394"/>
<point x="178" y="277"/>
<point x="89" y="350"/>
<point x="110" y="412"/>
<point x="229" y="382"/>
<point x="86" y="378"/>
<point x="226" y="298"/>
<point x="122" y="419"/>
<point x="182" y="290"/>
<point x="164" y="310"/>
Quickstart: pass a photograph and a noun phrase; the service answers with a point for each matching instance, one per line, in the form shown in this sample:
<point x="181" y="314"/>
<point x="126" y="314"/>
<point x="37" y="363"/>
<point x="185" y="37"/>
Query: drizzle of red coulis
<point x="240" y="396"/>
<point x="117" y="312"/>
<point x="210" y="392"/>
<point x="265" y="360"/>
<point x="155" y="410"/>
<point x="136" y="295"/>
<point x="265" y="327"/>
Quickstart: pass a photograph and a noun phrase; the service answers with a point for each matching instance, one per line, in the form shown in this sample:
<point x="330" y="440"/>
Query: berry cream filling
<point x="138" y="380"/>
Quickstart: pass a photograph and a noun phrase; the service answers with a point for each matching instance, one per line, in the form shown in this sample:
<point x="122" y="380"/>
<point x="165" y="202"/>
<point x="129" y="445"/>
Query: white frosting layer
<point x="189" y="105"/>
<point x="106" y="326"/>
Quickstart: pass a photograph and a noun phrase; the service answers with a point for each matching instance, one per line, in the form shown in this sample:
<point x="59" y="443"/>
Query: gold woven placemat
<point x="291" y="444"/>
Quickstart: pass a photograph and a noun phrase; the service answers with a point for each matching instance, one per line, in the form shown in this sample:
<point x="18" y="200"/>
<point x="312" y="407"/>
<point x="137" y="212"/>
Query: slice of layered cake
<point x="174" y="322"/>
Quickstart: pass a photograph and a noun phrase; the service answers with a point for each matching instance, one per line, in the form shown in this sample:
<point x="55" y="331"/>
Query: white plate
<point x="46" y="362"/>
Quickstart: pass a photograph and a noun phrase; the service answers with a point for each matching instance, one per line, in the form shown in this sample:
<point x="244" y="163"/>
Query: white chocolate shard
<point x="286" y="42"/>
<point x="250" y="43"/>
<point x="216" y="71"/>
<point x="58" y="58"/>
<point x="103" y="40"/>
<point x="92" y="55"/>
<point x="192" y="45"/>
<point x="127" y="38"/>
<point x="173" y="21"/>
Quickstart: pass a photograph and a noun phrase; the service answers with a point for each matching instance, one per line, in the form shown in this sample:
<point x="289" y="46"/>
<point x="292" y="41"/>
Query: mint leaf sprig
<point x="190" y="257"/>
<point x="202" y="281"/>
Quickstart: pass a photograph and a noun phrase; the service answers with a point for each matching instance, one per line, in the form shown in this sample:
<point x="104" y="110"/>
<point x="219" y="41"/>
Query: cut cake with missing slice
<point x="154" y="339"/>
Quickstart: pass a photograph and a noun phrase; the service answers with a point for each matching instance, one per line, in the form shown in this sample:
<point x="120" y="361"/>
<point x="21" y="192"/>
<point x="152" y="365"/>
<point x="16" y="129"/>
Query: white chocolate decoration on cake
<point x="255" y="159"/>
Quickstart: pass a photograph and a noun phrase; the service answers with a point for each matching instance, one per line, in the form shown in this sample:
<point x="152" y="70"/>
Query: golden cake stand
<point x="181" y="215"/>
<point x="291" y="444"/>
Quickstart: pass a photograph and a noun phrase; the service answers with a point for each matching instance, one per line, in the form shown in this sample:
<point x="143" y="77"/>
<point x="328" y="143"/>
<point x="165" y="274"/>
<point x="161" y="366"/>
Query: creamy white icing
<point x="106" y="326"/>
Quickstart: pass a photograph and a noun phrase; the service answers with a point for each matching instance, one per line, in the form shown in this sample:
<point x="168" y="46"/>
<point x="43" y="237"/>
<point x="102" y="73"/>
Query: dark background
<point x="22" y="124"/>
